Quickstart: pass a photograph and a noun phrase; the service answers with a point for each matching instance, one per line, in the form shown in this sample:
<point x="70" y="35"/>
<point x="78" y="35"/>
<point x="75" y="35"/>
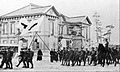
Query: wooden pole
<point x="43" y="41"/>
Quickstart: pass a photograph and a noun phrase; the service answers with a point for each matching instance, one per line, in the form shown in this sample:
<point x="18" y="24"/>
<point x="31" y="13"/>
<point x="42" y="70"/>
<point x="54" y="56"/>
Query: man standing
<point x="9" y="58"/>
<point x="39" y="55"/>
<point x="55" y="55"/>
<point x="93" y="56"/>
<point x="4" y="53"/>
<point x="51" y="55"/>
<point x="87" y="55"/>
<point x="30" y="58"/>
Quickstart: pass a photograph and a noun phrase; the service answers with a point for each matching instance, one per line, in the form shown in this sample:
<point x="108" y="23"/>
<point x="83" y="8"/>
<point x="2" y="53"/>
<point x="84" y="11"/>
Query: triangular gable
<point x="52" y="11"/>
<point x="86" y="20"/>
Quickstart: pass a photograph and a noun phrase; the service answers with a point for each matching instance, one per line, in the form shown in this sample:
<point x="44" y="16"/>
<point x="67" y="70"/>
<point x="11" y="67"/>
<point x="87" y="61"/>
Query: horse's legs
<point x="103" y="64"/>
<point x="84" y="60"/>
<point x="79" y="62"/>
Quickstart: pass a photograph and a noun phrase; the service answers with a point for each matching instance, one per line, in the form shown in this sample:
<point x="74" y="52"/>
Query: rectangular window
<point x="5" y="28"/>
<point x="52" y="28"/>
<point x="12" y="28"/>
<point x="51" y="22"/>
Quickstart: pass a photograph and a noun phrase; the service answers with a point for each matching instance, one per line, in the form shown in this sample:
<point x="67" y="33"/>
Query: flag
<point x="33" y="26"/>
<point x="23" y="24"/>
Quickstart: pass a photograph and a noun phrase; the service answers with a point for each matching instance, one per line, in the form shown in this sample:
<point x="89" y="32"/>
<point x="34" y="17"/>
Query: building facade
<point x="53" y="26"/>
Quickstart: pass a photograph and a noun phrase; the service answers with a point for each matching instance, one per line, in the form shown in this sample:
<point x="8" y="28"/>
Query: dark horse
<point x="101" y="54"/>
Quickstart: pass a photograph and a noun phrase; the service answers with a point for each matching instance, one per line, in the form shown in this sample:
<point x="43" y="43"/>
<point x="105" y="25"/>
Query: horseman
<point x="108" y="56"/>
<point x="106" y="43"/>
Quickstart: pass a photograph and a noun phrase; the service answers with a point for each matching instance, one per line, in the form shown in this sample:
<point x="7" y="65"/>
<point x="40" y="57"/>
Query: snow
<point x="46" y="65"/>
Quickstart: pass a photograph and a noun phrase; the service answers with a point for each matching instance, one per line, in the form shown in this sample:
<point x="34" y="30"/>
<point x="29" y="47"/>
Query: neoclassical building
<point x="54" y="25"/>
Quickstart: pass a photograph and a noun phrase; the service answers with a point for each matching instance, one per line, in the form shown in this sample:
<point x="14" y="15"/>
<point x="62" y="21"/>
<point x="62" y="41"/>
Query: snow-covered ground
<point x="46" y="65"/>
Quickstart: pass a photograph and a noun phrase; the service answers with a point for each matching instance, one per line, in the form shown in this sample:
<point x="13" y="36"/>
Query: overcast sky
<point x="108" y="10"/>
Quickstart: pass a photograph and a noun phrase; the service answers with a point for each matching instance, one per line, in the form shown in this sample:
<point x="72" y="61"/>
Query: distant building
<point x="76" y="30"/>
<point x="53" y="26"/>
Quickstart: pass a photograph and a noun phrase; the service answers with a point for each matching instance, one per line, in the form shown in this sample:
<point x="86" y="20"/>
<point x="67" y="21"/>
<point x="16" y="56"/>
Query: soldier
<point x="93" y="56"/>
<point x="82" y="53"/>
<point x="9" y="58"/>
<point x="4" y="53"/>
<point x="22" y="58"/>
<point x="59" y="54"/>
<point x="51" y="55"/>
<point x="55" y="55"/>
<point x="30" y="55"/>
<point x="87" y="55"/>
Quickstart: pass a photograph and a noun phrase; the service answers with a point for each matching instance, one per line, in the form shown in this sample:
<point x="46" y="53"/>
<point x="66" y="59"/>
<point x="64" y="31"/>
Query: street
<point x="46" y="65"/>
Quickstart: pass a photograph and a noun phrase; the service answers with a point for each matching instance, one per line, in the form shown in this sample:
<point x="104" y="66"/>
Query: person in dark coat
<point x="87" y="55"/>
<point x="93" y="56"/>
<point x="30" y="55"/>
<point x="51" y="55"/>
<point x="9" y="58"/>
<point x="4" y="59"/>
<point x="22" y="58"/>
<point x="55" y="55"/>
<point x="39" y="55"/>
<point x="59" y="54"/>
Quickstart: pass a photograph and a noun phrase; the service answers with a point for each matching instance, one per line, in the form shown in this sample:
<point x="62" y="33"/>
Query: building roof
<point x="74" y="19"/>
<point x="29" y="9"/>
<point x="77" y="19"/>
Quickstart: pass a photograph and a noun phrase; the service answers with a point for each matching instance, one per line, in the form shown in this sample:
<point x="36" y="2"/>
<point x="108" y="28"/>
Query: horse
<point x="101" y="54"/>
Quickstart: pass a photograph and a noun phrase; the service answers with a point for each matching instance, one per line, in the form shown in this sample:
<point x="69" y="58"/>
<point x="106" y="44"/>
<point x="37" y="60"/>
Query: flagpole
<point x="42" y="41"/>
<point x="32" y="40"/>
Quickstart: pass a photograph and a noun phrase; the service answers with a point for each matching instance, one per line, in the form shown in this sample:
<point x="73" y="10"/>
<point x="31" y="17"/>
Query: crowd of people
<point x="67" y="56"/>
<point x="98" y="55"/>
<point x="26" y="56"/>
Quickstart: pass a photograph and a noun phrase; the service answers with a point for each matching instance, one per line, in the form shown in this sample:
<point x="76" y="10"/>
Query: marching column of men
<point x="7" y="58"/>
<point x="65" y="56"/>
<point x="26" y="56"/>
<point x="92" y="57"/>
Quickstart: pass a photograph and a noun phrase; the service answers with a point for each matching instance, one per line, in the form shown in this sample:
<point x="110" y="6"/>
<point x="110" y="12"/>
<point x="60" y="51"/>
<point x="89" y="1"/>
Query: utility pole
<point x="98" y="28"/>
<point x="0" y="30"/>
